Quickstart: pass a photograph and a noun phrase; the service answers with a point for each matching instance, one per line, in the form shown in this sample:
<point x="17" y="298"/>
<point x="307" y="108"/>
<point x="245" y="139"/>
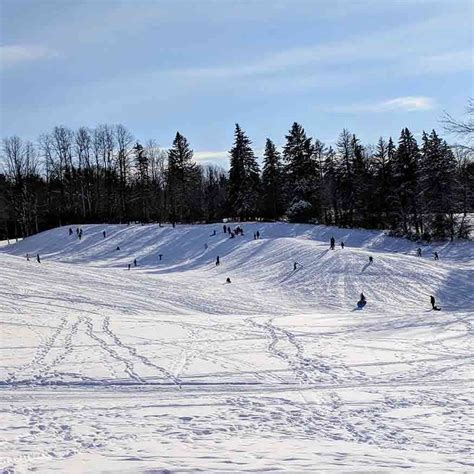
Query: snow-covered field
<point x="165" y="366"/>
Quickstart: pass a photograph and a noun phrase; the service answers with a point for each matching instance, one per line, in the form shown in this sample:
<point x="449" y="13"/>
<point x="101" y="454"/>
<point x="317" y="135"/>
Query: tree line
<point x="415" y="189"/>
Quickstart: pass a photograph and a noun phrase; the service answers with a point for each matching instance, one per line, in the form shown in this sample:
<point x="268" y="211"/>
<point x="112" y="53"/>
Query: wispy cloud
<point x="382" y="46"/>
<point x="11" y="55"/>
<point x="405" y="104"/>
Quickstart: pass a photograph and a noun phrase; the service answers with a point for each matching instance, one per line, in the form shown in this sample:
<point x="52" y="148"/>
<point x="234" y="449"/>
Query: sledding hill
<point x="124" y="370"/>
<point x="397" y="279"/>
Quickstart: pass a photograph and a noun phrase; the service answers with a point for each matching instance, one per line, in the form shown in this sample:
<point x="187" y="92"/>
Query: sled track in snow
<point x="133" y="352"/>
<point x="129" y="367"/>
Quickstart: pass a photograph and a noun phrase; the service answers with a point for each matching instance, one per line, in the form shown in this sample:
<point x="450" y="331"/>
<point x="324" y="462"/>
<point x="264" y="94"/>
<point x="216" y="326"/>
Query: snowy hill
<point x="124" y="370"/>
<point x="332" y="279"/>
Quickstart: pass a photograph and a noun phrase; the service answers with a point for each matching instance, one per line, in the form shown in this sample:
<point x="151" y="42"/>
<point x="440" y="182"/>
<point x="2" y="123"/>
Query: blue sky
<point x="200" y="66"/>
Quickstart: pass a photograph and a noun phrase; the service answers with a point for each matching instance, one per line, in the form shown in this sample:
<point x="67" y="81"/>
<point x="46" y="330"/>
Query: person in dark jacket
<point x="433" y="303"/>
<point x="418" y="252"/>
<point x="342" y="245"/>
<point x="228" y="280"/>
<point x="333" y="243"/>
<point x="436" y="256"/>
<point x="371" y="259"/>
<point x="225" y="228"/>
<point x="38" y="258"/>
<point x="104" y="233"/>
<point x="218" y="262"/>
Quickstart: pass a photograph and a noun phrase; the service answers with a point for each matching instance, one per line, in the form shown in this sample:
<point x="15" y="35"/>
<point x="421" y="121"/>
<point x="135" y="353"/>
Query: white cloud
<point x="214" y="156"/>
<point x="11" y="55"/>
<point x="405" y="104"/>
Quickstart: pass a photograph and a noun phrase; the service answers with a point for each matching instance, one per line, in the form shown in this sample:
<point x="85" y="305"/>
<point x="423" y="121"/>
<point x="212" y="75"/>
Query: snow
<point x="165" y="366"/>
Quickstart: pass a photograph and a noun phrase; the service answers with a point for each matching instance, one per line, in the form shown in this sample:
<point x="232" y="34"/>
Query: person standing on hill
<point x="371" y="259"/>
<point x="225" y="229"/>
<point x="70" y="231"/>
<point x="135" y="262"/>
<point x="38" y="259"/>
<point x="418" y="252"/>
<point x="333" y="243"/>
<point x="436" y="256"/>
<point x="104" y="234"/>
<point x="342" y="245"/>
<point x="258" y="234"/>
<point x="433" y="303"/>
<point x="27" y="257"/>
<point x="218" y="262"/>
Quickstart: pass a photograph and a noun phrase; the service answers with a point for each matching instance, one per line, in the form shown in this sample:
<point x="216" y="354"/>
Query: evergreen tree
<point x="183" y="179"/>
<point x="345" y="173"/>
<point x="272" y="182"/>
<point x="143" y="180"/>
<point x="244" y="177"/>
<point x="439" y="185"/>
<point x="406" y="183"/>
<point x="383" y="190"/>
<point x="302" y="175"/>
<point x="361" y="183"/>
<point x="330" y="200"/>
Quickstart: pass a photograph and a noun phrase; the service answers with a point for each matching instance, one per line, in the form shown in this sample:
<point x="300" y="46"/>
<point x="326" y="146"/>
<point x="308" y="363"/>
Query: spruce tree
<point x="302" y="175"/>
<point x="360" y="183"/>
<point x="346" y="181"/>
<point x="244" y="178"/>
<point x="439" y="185"/>
<point x="272" y="191"/>
<point x="383" y="192"/>
<point x="183" y="179"/>
<point x="406" y="180"/>
<point x="143" y="180"/>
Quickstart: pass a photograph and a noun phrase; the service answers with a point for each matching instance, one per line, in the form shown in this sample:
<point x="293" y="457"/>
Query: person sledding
<point x="362" y="301"/>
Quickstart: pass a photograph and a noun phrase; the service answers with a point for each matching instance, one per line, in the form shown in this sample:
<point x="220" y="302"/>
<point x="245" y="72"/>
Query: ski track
<point x="123" y="371"/>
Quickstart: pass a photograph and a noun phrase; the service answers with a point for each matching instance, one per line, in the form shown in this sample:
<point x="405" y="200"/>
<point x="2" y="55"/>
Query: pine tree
<point x="183" y="179"/>
<point x="384" y="191"/>
<point x="406" y="183"/>
<point x="345" y="173"/>
<point x="143" y="180"/>
<point x="272" y="191"/>
<point x="302" y="174"/>
<point x="244" y="177"/>
<point x="330" y="196"/>
<point x="361" y="183"/>
<point x="439" y="185"/>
